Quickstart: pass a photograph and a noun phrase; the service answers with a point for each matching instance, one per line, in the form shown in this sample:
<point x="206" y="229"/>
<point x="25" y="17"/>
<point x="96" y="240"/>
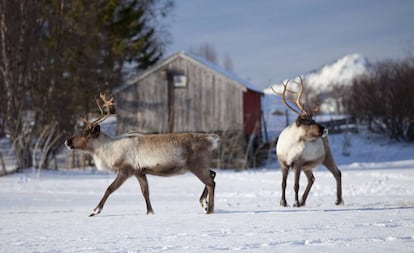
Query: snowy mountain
<point x="340" y="72"/>
<point x="322" y="81"/>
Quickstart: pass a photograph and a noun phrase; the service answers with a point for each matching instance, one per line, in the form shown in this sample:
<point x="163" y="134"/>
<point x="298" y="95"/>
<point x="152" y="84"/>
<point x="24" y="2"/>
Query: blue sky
<point x="269" y="41"/>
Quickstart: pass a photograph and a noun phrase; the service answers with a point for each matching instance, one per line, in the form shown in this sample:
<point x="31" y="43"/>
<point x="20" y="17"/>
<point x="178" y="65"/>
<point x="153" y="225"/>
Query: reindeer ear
<point x="96" y="130"/>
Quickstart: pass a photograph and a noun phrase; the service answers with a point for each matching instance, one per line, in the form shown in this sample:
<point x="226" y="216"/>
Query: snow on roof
<point x="199" y="60"/>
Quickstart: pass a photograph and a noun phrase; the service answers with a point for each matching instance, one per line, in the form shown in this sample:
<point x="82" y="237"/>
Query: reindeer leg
<point x="329" y="163"/>
<point x="207" y="177"/>
<point x="285" y="172"/>
<point x="203" y="197"/>
<point x="296" y="187"/>
<point x="339" y="199"/>
<point x="311" y="179"/>
<point x="142" y="179"/>
<point x="338" y="177"/>
<point x="119" y="180"/>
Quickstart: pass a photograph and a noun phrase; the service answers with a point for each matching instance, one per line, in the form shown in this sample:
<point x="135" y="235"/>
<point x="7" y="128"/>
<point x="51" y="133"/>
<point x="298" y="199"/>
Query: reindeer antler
<point x="106" y="104"/>
<point x="303" y="112"/>
<point x="283" y="94"/>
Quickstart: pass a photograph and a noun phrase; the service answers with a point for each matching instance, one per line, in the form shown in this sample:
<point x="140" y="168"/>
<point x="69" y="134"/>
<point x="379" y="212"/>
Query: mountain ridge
<point x="340" y="72"/>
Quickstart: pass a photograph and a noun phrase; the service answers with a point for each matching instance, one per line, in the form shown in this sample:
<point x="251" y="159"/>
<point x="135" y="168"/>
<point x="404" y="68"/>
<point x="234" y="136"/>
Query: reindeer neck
<point x="103" y="152"/>
<point x="101" y="142"/>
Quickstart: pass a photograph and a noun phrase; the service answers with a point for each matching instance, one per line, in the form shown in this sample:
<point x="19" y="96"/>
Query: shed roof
<point x="243" y="84"/>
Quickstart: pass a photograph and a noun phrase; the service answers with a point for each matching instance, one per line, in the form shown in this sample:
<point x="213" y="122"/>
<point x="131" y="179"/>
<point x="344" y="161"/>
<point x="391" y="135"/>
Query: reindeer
<point x="137" y="154"/>
<point x="303" y="146"/>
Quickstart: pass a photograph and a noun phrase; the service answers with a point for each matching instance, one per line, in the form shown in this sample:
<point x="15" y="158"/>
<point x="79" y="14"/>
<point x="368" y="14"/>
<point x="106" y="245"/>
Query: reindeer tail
<point x="214" y="140"/>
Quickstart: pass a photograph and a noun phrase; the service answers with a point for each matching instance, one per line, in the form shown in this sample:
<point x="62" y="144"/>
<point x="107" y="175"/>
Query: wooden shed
<point x="186" y="93"/>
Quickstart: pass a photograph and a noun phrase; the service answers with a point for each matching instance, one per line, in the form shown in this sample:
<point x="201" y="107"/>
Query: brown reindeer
<point x="303" y="146"/>
<point x="137" y="154"/>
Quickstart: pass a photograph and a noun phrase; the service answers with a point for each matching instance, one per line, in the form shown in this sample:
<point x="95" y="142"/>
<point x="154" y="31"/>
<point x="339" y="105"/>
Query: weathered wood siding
<point x="209" y="102"/>
<point x="142" y="107"/>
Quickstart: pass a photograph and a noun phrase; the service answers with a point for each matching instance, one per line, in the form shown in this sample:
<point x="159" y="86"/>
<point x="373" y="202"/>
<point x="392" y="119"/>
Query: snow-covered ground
<point x="48" y="212"/>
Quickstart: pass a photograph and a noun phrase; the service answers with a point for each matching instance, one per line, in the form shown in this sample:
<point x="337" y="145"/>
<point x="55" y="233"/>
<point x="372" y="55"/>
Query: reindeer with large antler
<point x="303" y="146"/>
<point x="137" y="154"/>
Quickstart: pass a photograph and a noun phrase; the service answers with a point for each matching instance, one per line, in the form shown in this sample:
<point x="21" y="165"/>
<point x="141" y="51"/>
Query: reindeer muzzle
<point x="69" y="144"/>
<point x="325" y="132"/>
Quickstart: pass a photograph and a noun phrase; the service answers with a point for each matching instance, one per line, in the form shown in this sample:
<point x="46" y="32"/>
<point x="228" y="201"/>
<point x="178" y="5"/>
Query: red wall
<point x="251" y="112"/>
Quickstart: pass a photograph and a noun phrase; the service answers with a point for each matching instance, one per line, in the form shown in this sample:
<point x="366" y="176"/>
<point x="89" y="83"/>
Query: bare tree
<point x="18" y="45"/>
<point x="385" y="98"/>
<point x="228" y="63"/>
<point x="44" y="145"/>
<point x="207" y="51"/>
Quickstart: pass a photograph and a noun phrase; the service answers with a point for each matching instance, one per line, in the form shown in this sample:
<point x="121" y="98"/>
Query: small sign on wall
<point x="180" y="81"/>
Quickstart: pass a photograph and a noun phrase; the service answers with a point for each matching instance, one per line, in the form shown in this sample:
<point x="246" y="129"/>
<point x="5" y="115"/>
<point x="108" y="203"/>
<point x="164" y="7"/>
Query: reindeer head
<point x="92" y="131"/>
<point x="309" y="128"/>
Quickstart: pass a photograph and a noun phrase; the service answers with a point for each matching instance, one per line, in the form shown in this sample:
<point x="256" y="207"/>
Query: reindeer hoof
<point x="150" y="212"/>
<point x="339" y="202"/>
<point x="207" y="210"/>
<point x="204" y="205"/>
<point x="298" y="204"/>
<point x="95" y="212"/>
<point x="283" y="203"/>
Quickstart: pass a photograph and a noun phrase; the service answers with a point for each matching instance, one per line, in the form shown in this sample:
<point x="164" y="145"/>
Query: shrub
<point x="385" y="99"/>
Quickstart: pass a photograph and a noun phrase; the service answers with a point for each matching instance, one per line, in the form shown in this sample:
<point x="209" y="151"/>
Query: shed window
<point x="180" y="81"/>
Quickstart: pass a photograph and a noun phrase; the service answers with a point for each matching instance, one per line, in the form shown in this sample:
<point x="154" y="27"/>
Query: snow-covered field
<point x="48" y="212"/>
